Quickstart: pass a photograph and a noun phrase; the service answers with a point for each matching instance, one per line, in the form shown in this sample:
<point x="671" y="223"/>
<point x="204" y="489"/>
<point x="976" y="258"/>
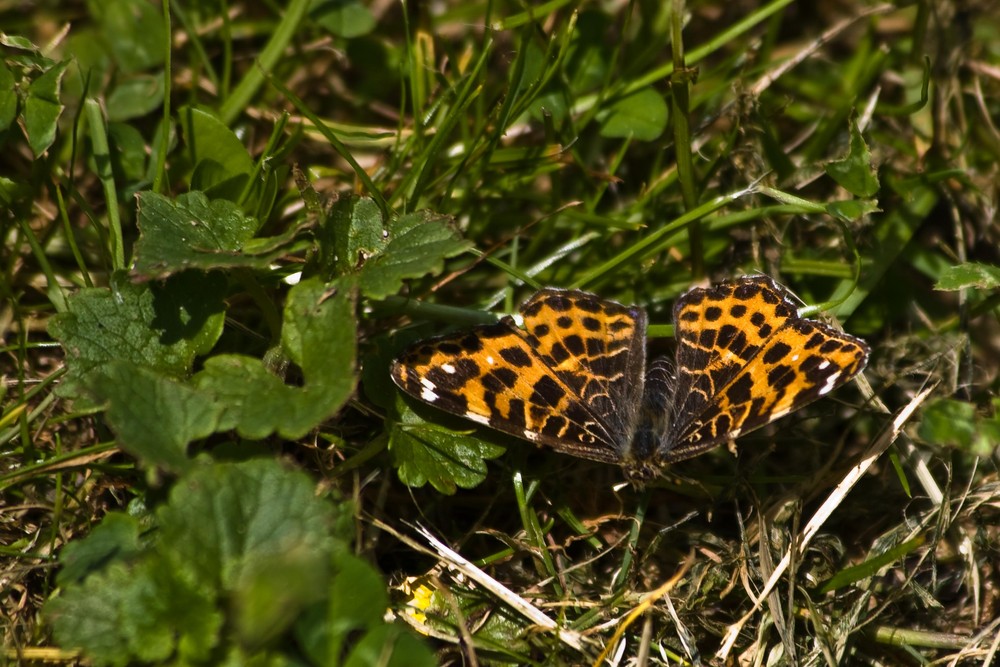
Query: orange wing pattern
<point x="573" y="377"/>
<point x="567" y="380"/>
<point x="745" y="358"/>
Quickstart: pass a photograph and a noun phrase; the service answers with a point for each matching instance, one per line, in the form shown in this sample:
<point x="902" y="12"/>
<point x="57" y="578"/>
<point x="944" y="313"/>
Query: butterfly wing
<point x="745" y="358"/>
<point x="597" y="347"/>
<point x="547" y="383"/>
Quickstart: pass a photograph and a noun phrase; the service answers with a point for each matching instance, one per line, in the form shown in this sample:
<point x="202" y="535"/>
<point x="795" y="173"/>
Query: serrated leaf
<point x="641" y="115"/>
<point x="242" y="551"/>
<point x="115" y="538"/>
<point x="855" y="172"/>
<point x="191" y="232"/>
<point x="221" y="520"/>
<point x="224" y="531"/>
<point x="126" y="614"/>
<point x="319" y="334"/>
<point x="969" y="274"/>
<point x="154" y="326"/>
<point x="351" y="232"/>
<point x="416" y="252"/>
<point x="137" y="398"/>
<point x="423" y="452"/>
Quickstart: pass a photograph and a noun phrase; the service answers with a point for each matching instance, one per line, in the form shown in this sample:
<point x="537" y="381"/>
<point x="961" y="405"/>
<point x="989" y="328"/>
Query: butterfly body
<point x="575" y="377"/>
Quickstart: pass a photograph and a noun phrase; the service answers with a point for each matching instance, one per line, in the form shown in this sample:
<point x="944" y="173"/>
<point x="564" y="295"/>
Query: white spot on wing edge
<point x="478" y="418"/>
<point x="448" y="368"/>
<point x="830" y="383"/>
<point x="530" y="436"/>
<point x="428" y="393"/>
<point x="778" y="414"/>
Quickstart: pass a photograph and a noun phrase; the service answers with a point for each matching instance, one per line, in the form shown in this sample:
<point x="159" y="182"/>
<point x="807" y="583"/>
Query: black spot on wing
<point x="515" y="356"/>
<point x="776" y="353"/>
<point x="465" y="370"/>
<point x="780" y="377"/>
<point x="574" y="344"/>
<point x="740" y="390"/>
<point x="546" y="391"/>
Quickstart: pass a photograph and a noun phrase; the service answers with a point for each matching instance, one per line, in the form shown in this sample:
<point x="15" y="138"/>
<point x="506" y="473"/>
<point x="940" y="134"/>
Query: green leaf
<point x="256" y="533"/>
<point x="18" y="42"/>
<point x="162" y="327"/>
<point x="343" y="18"/>
<point x="420" y="243"/>
<point x="357" y="230"/>
<point x="129" y="153"/>
<point x="221" y="519"/>
<point x="222" y="164"/>
<point x="424" y="452"/>
<point x="274" y="589"/>
<point x="641" y="115"/>
<point x="135" y="97"/>
<point x="356" y="241"/>
<point x="8" y="97"/>
<point x="947" y="421"/>
<point x="134" y="32"/>
<point x="969" y="274"/>
<point x="134" y="613"/>
<point x="855" y="172"/>
<point x="851" y="210"/>
<point x="42" y="108"/>
<point x="356" y="606"/>
<point x="391" y="646"/>
<point x="138" y="397"/>
<point x="115" y="538"/>
<point x="955" y="423"/>
<point x="869" y="568"/>
<point x="319" y="334"/>
<point x="191" y="233"/>
<point x="239" y="545"/>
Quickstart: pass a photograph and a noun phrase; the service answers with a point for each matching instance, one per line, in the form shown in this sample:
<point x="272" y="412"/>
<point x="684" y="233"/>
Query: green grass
<point x="221" y="228"/>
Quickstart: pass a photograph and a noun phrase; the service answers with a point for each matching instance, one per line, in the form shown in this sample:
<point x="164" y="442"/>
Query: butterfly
<point x="573" y="375"/>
